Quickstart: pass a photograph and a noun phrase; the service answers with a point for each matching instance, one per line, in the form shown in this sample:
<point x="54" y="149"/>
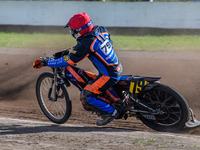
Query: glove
<point x="45" y="60"/>
<point x="40" y="63"/>
<point x="37" y="64"/>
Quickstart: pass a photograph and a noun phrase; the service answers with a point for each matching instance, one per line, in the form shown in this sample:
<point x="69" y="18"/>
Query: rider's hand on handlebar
<point x="39" y="63"/>
<point x="45" y="60"/>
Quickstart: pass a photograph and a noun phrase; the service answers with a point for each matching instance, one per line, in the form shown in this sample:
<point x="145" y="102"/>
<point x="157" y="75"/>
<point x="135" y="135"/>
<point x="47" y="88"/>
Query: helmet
<point x="80" y="24"/>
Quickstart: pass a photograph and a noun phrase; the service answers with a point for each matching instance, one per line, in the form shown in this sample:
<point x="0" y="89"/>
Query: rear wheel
<point x="58" y="110"/>
<point x="167" y="100"/>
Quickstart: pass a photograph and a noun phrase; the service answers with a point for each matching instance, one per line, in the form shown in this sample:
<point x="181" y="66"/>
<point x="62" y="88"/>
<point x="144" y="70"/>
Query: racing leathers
<point x="97" y="46"/>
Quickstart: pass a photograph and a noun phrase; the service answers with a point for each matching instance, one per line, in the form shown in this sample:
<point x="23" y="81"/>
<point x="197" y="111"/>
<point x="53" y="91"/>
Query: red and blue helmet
<point x="80" y="24"/>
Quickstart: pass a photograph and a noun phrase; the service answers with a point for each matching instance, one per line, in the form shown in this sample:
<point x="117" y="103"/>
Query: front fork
<point x="54" y="86"/>
<point x="55" y="71"/>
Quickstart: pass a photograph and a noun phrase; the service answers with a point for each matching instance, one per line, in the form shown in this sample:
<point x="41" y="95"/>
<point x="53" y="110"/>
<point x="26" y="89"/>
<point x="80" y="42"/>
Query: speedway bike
<point x="158" y="106"/>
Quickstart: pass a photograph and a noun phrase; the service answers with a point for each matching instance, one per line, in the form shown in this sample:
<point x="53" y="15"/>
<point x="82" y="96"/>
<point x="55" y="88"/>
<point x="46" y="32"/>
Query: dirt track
<point x="25" y="134"/>
<point x="17" y="93"/>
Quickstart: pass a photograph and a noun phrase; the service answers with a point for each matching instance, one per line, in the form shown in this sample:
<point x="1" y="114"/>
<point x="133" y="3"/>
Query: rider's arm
<point x="78" y="54"/>
<point x="60" y="62"/>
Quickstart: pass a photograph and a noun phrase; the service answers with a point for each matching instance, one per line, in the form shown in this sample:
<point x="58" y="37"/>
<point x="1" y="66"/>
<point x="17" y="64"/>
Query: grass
<point x="36" y="40"/>
<point x="158" y="43"/>
<point x="138" y="43"/>
<point x="145" y="142"/>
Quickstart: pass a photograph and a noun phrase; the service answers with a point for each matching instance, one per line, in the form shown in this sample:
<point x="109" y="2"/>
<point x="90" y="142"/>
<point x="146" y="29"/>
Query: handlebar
<point x="43" y="60"/>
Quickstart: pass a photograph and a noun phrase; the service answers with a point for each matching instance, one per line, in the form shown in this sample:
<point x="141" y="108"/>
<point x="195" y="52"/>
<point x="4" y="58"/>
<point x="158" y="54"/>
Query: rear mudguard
<point x="150" y="86"/>
<point x="141" y="84"/>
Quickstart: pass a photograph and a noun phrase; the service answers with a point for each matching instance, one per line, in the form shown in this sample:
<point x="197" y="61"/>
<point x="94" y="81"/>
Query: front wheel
<point x="58" y="109"/>
<point x="167" y="100"/>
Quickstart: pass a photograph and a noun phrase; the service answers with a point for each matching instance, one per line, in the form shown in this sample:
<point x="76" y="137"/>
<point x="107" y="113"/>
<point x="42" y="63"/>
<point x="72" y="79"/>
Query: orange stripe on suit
<point x="94" y="87"/>
<point x="112" y="96"/>
<point x="70" y="62"/>
<point x="92" y="75"/>
<point x="75" y="75"/>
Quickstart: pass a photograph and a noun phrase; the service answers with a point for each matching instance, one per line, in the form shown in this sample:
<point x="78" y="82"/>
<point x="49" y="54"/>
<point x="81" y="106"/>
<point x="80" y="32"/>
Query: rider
<point x="93" y="42"/>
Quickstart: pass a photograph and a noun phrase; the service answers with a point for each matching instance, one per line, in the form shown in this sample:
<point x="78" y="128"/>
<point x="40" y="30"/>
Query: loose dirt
<point x="17" y="100"/>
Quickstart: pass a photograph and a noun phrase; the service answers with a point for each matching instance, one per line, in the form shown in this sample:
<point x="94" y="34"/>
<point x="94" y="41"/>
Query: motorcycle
<point x="158" y="106"/>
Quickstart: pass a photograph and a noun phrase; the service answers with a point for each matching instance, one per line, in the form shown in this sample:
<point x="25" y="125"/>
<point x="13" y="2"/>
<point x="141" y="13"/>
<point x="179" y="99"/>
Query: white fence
<point x="111" y="14"/>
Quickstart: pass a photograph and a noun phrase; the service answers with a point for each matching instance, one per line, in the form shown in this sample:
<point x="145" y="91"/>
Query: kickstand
<point x="193" y="122"/>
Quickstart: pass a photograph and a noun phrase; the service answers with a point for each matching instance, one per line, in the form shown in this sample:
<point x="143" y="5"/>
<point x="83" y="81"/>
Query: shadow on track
<point x="19" y="129"/>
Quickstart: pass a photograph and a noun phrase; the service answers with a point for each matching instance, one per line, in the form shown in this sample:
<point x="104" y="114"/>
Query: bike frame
<point x="77" y="76"/>
<point x="137" y="84"/>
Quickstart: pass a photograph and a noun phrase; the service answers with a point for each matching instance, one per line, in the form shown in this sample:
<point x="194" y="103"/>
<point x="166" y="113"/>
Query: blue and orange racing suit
<point x="97" y="46"/>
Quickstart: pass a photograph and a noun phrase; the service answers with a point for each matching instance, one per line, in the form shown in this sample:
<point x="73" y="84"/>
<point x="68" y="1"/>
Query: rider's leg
<point x="92" y="102"/>
<point x="90" y="99"/>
